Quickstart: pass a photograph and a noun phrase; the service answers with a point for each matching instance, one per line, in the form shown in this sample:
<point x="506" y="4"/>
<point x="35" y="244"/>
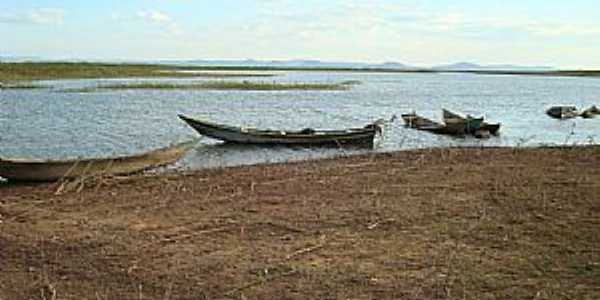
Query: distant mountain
<point x="307" y="63"/>
<point x="295" y="63"/>
<point x="298" y="63"/>
<point x="393" y="65"/>
<point x="467" y="66"/>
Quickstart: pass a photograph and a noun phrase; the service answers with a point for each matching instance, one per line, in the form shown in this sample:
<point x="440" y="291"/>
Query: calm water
<point x="53" y="124"/>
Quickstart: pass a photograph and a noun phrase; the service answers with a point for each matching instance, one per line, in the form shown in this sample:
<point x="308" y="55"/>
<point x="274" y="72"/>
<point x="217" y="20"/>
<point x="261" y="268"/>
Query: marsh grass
<point x="217" y="85"/>
<point x="220" y="74"/>
<point x="21" y="86"/>
<point x="351" y="82"/>
<point x="13" y="72"/>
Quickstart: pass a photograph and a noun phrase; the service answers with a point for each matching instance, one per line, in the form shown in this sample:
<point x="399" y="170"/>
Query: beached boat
<point x="308" y="136"/>
<point x="53" y="170"/>
<point x="492" y="128"/>
<point x="562" y="112"/>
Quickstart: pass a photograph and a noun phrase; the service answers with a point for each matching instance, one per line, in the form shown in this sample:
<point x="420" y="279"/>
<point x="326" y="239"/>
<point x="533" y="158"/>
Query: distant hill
<point x="467" y="66"/>
<point x="295" y="63"/>
<point x="299" y="64"/>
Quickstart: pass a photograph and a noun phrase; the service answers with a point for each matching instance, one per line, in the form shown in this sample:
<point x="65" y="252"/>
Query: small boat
<point x="591" y="112"/>
<point x="471" y="124"/>
<point x="415" y="121"/>
<point x="462" y="126"/>
<point x="473" y="127"/>
<point x="307" y="136"/>
<point x="54" y="170"/>
<point x="562" y="112"/>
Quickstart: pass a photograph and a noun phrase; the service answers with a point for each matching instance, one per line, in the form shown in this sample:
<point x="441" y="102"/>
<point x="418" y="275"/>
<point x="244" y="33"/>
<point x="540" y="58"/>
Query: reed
<point x="218" y="85"/>
<point x="20" y="86"/>
<point x="11" y="72"/>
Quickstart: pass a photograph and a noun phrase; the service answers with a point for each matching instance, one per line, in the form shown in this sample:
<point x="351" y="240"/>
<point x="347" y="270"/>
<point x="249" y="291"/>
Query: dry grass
<point x="216" y="85"/>
<point x="13" y="72"/>
<point x="20" y="86"/>
<point x="431" y="224"/>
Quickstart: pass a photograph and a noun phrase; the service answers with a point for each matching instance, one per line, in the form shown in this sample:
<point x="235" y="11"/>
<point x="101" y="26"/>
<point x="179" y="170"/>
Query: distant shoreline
<point x="31" y="71"/>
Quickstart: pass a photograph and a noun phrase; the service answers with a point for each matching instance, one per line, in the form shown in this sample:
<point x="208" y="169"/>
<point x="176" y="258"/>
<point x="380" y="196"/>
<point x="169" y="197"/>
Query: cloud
<point x="154" y="16"/>
<point x="161" y="19"/>
<point x="39" y="16"/>
<point x="353" y="17"/>
<point x="555" y="29"/>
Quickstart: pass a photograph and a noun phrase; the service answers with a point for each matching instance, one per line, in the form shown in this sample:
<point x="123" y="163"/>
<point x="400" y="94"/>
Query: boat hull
<point x="357" y="136"/>
<point x="33" y="170"/>
<point x="473" y="124"/>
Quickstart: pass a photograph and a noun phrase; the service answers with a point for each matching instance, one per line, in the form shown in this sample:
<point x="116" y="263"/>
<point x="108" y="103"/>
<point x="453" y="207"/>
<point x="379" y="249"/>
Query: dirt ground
<point x="427" y="224"/>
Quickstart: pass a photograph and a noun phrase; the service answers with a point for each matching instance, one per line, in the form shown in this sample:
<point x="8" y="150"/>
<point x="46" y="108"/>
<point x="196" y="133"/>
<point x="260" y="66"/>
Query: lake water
<point x="54" y="124"/>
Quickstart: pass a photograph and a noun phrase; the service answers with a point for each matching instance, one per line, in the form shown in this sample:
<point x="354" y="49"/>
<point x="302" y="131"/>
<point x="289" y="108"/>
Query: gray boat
<point x="474" y="125"/>
<point x="415" y="121"/>
<point x="308" y="136"/>
<point x="53" y="170"/>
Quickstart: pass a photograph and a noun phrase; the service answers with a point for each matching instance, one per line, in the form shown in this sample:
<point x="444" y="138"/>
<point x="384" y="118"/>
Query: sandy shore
<point x="428" y="224"/>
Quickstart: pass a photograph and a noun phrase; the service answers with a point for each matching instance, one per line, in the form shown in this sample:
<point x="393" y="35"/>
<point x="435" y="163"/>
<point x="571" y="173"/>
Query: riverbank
<point x="440" y="223"/>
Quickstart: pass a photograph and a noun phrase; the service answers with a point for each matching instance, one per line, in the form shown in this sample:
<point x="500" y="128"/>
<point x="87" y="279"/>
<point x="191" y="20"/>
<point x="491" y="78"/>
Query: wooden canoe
<point x="471" y="124"/>
<point x="415" y="121"/>
<point x="473" y="127"/>
<point x="230" y="134"/>
<point x="53" y="170"/>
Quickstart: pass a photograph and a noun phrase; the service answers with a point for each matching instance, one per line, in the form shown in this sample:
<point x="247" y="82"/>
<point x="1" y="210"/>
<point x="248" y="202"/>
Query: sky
<point x="563" y="34"/>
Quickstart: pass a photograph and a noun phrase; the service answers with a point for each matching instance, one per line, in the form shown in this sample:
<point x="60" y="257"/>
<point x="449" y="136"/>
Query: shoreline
<point x="167" y="171"/>
<point x="441" y="222"/>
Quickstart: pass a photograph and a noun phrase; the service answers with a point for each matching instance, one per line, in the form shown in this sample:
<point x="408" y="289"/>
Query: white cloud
<point x="39" y="16"/>
<point x="154" y="16"/>
<point x="550" y="29"/>
<point x="161" y="19"/>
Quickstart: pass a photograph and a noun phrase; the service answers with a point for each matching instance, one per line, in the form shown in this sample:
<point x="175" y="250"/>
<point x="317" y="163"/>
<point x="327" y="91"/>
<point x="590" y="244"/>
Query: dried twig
<point x="308" y="249"/>
<point x="286" y="227"/>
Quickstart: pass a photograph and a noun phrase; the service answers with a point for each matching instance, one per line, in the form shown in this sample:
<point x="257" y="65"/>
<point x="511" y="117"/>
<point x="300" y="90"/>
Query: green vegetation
<point x="11" y="72"/>
<point x="20" y="86"/>
<point x="218" y="85"/>
<point x="351" y="82"/>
